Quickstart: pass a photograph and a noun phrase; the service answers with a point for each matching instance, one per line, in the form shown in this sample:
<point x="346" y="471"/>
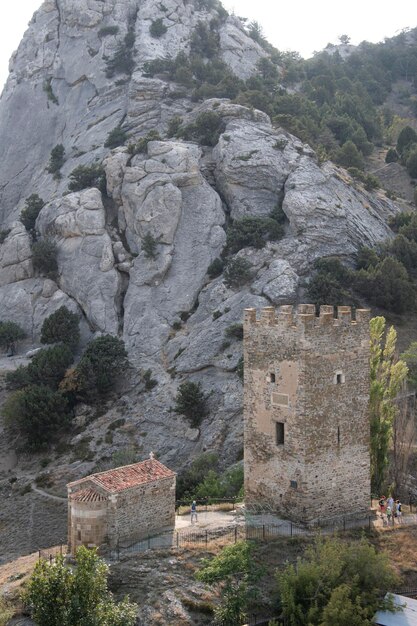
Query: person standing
<point x="399" y="511"/>
<point x="193" y="512"/>
<point x="390" y="502"/>
<point x="382" y="506"/>
<point x="389" y="514"/>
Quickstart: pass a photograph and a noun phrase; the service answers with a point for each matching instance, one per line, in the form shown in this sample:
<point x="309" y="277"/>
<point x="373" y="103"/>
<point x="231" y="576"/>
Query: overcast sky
<point x="302" y="25"/>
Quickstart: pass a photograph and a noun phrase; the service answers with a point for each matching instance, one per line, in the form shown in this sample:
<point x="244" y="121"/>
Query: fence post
<point x="118" y="549"/>
<point x="235" y="534"/>
<point x="369" y="522"/>
<point x="39" y="555"/>
<point x="344" y="523"/>
<point x="178" y="540"/>
<point x="291" y="529"/>
<point x="206" y="537"/>
<point x="263" y="532"/>
<point x="149" y="542"/>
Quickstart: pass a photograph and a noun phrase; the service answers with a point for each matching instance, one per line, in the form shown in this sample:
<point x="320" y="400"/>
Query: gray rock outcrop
<point x="134" y="261"/>
<point x="86" y="263"/>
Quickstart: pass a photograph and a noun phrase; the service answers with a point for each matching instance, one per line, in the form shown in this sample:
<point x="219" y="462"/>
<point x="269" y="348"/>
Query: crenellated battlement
<point x="304" y="315"/>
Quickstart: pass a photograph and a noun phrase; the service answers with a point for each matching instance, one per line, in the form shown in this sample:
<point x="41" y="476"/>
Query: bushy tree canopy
<point x="46" y="368"/>
<point x="30" y="212"/>
<point x="10" y="334"/>
<point x="104" y="360"/>
<point x="37" y="413"/>
<point x="336" y="584"/>
<point x="61" y="326"/>
<point x="60" y="595"/>
<point x="191" y="402"/>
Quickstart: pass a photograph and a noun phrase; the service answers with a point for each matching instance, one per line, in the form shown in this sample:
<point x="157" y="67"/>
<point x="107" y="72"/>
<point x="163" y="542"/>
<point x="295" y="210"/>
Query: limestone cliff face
<point x="182" y="194"/>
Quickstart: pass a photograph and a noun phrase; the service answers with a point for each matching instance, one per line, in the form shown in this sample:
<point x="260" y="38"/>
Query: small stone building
<point x="121" y="505"/>
<point x="306" y="422"/>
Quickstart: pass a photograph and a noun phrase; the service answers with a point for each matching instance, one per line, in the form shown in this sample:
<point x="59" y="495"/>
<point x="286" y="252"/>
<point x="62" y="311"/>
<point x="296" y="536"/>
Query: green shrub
<point x="391" y="156"/>
<point x="116" y="424"/>
<point x="141" y="146"/>
<point x="4" y="234"/>
<point x="47" y="87"/>
<point x="44" y="257"/>
<point x="206" y="129"/>
<point x="61" y="326"/>
<point x="10" y="334"/>
<point x="174" y="125"/>
<point x="353" y="579"/>
<point x="56" y="161"/>
<point x="189" y="478"/>
<point x="150" y="382"/>
<point x="108" y="30"/>
<point x="412" y="164"/>
<point x="406" y="137"/>
<point x="349" y="156"/>
<point x="122" y="61"/>
<point x="235" y="331"/>
<point x="324" y="288"/>
<point x="157" y="28"/>
<point x="405" y="250"/>
<point x="47" y="368"/>
<point x="191" y="402"/>
<point x="149" y="246"/>
<point x="7" y="611"/>
<point x="38" y="414"/>
<point x="399" y="220"/>
<point x="238" y="272"/>
<point x="387" y="285"/>
<point x="85" y="176"/>
<point x="215" y="268"/>
<point x="410" y="357"/>
<point x="29" y="214"/>
<point x="82" y="591"/>
<point x="370" y="182"/>
<point x="334" y="267"/>
<point x="104" y="359"/>
<point x="252" y="231"/>
<point x="367" y="257"/>
<point x="115" y="138"/>
<point x="205" y="40"/>
<point x="216" y="315"/>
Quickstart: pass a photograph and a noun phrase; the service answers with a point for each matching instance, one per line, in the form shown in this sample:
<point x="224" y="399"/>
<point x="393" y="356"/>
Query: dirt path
<point x="45" y="494"/>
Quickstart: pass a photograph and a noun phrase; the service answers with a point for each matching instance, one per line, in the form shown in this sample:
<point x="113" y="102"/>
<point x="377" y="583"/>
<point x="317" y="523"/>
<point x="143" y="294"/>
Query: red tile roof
<point x="88" y="495"/>
<point x="128" y="476"/>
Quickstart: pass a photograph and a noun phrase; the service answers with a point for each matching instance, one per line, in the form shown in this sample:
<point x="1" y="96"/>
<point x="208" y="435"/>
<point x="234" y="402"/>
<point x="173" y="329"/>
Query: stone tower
<point x="306" y="424"/>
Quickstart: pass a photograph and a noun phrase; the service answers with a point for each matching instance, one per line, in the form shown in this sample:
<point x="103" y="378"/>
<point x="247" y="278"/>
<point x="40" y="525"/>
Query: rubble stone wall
<point x="306" y="395"/>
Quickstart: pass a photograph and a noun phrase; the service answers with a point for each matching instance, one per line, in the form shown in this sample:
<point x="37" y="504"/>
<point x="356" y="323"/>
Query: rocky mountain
<point x="81" y="71"/>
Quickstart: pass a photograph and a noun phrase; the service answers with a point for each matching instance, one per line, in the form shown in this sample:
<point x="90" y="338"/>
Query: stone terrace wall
<point x="310" y="374"/>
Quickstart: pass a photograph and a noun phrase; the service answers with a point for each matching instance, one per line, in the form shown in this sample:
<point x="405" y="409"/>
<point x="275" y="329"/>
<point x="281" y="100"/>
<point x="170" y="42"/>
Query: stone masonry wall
<point x="144" y="510"/>
<point x="310" y="374"/>
<point x="88" y="525"/>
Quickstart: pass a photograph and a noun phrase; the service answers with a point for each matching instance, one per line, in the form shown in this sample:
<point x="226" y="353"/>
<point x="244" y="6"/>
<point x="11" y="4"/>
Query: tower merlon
<point x="305" y="315"/>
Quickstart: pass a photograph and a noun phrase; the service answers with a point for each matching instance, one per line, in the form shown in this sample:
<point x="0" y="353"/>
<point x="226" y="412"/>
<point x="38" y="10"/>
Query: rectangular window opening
<point x="293" y="484"/>
<point x="339" y="379"/>
<point x="271" y="377"/>
<point x="279" y="433"/>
